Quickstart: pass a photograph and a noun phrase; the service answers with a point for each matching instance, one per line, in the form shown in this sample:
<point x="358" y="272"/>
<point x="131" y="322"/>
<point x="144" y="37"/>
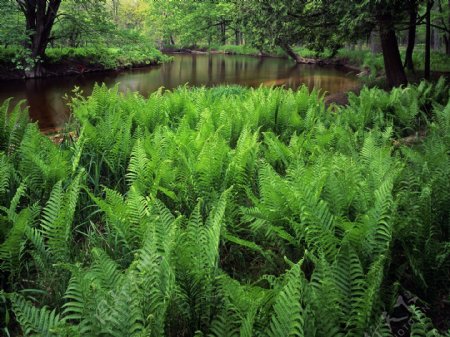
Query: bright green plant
<point x="227" y="212"/>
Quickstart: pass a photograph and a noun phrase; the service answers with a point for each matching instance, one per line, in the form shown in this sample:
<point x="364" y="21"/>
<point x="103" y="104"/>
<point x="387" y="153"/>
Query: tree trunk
<point x="40" y="16"/>
<point x="447" y="26"/>
<point x="115" y="10"/>
<point x="375" y="46"/>
<point x="395" y="73"/>
<point x="223" y="31"/>
<point x="409" y="63"/>
<point x="237" y="35"/>
<point x="427" y="73"/>
<point x="435" y="39"/>
<point x="290" y="52"/>
<point x="297" y="58"/>
<point x="447" y="36"/>
<point x="447" y="44"/>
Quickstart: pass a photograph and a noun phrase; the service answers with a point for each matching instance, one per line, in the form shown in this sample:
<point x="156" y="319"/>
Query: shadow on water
<point x="47" y="106"/>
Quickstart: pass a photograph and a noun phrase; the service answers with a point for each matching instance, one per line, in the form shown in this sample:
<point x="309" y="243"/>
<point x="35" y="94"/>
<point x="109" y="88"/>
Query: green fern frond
<point x="288" y="319"/>
<point x="422" y="326"/>
<point x="35" y="321"/>
<point x="56" y="223"/>
<point x="11" y="248"/>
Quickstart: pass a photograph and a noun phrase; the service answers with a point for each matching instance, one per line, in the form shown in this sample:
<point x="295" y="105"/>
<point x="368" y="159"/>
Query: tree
<point x="321" y="24"/>
<point x="442" y="17"/>
<point x="413" y="10"/>
<point x="191" y="22"/>
<point x="40" y="16"/>
<point x="12" y="31"/>
<point x="395" y="74"/>
<point x="427" y="74"/>
<point x="31" y="25"/>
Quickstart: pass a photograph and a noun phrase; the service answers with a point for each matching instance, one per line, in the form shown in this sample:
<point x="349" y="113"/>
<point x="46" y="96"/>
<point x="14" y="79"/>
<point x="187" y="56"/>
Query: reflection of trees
<point x="259" y="66"/>
<point x="238" y="69"/>
<point x="45" y="99"/>
<point x="210" y="69"/>
<point x="40" y="110"/>
<point x="222" y="70"/>
<point x="166" y="74"/>
<point x="193" y="79"/>
<point x="47" y="106"/>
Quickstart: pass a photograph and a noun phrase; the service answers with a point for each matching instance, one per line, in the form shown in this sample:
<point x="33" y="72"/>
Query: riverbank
<point x="76" y="61"/>
<point x="361" y="61"/>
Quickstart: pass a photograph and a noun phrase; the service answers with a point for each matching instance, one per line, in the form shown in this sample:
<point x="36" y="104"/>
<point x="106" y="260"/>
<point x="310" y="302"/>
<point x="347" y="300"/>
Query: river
<point x="45" y="97"/>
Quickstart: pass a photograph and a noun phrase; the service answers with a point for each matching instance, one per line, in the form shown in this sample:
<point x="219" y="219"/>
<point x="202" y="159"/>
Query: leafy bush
<point x="239" y="50"/>
<point x="228" y="212"/>
<point x="106" y="56"/>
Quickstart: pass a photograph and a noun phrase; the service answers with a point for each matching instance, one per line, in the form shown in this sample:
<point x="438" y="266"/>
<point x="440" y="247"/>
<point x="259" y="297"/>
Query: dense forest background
<point x="296" y="28"/>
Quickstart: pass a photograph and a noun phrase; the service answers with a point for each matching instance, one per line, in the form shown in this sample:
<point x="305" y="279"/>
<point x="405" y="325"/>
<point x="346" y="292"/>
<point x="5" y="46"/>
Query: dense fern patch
<point x="229" y="212"/>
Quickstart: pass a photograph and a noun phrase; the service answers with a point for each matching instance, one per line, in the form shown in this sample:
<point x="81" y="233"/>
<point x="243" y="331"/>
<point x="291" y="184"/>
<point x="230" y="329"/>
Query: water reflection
<point x="45" y="96"/>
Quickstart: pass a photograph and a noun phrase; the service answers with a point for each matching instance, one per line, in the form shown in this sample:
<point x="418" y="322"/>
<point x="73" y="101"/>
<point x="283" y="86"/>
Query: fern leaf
<point x="35" y="321"/>
<point x="287" y="319"/>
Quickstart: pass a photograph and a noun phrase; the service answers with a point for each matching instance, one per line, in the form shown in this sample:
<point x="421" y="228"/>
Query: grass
<point x="228" y="212"/>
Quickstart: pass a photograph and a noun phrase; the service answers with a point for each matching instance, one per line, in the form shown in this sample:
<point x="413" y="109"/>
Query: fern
<point x="35" y="321"/>
<point x="288" y="316"/>
<point x="11" y="248"/>
<point x="58" y="217"/>
<point x="177" y="215"/>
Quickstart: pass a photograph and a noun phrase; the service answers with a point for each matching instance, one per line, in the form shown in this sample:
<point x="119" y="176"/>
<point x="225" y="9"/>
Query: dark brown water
<point x="47" y="106"/>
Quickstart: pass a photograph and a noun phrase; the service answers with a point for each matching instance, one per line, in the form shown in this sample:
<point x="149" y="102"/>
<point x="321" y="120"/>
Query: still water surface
<point x="49" y="108"/>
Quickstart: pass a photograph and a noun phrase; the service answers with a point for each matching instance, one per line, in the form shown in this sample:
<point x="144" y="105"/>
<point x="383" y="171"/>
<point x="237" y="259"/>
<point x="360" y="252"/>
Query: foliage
<point x="374" y="61"/>
<point x="108" y="57"/>
<point x="85" y="31"/>
<point x="236" y="49"/>
<point x="227" y="212"/>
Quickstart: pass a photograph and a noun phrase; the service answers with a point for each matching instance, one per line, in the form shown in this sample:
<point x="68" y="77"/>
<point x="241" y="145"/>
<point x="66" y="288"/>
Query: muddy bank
<point x="66" y="67"/>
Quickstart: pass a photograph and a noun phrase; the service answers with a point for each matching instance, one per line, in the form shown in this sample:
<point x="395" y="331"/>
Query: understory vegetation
<point x="107" y="57"/>
<point x="229" y="212"/>
<point x="374" y="61"/>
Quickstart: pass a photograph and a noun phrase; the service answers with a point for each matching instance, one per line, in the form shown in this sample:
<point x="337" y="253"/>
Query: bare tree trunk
<point x="115" y="9"/>
<point x="436" y="45"/>
<point x="427" y="73"/>
<point x="395" y="73"/>
<point x="297" y="58"/>
<point x="447" y="44"/>
<point x="409" y="63"/>
<point x="447" y="36"/>
<point x="375" y="45"/>
<point x="223" y="31"/>
<point x="237" y="37"/>
<point x="290" y="52"/>
<point x="446" y="25"/>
